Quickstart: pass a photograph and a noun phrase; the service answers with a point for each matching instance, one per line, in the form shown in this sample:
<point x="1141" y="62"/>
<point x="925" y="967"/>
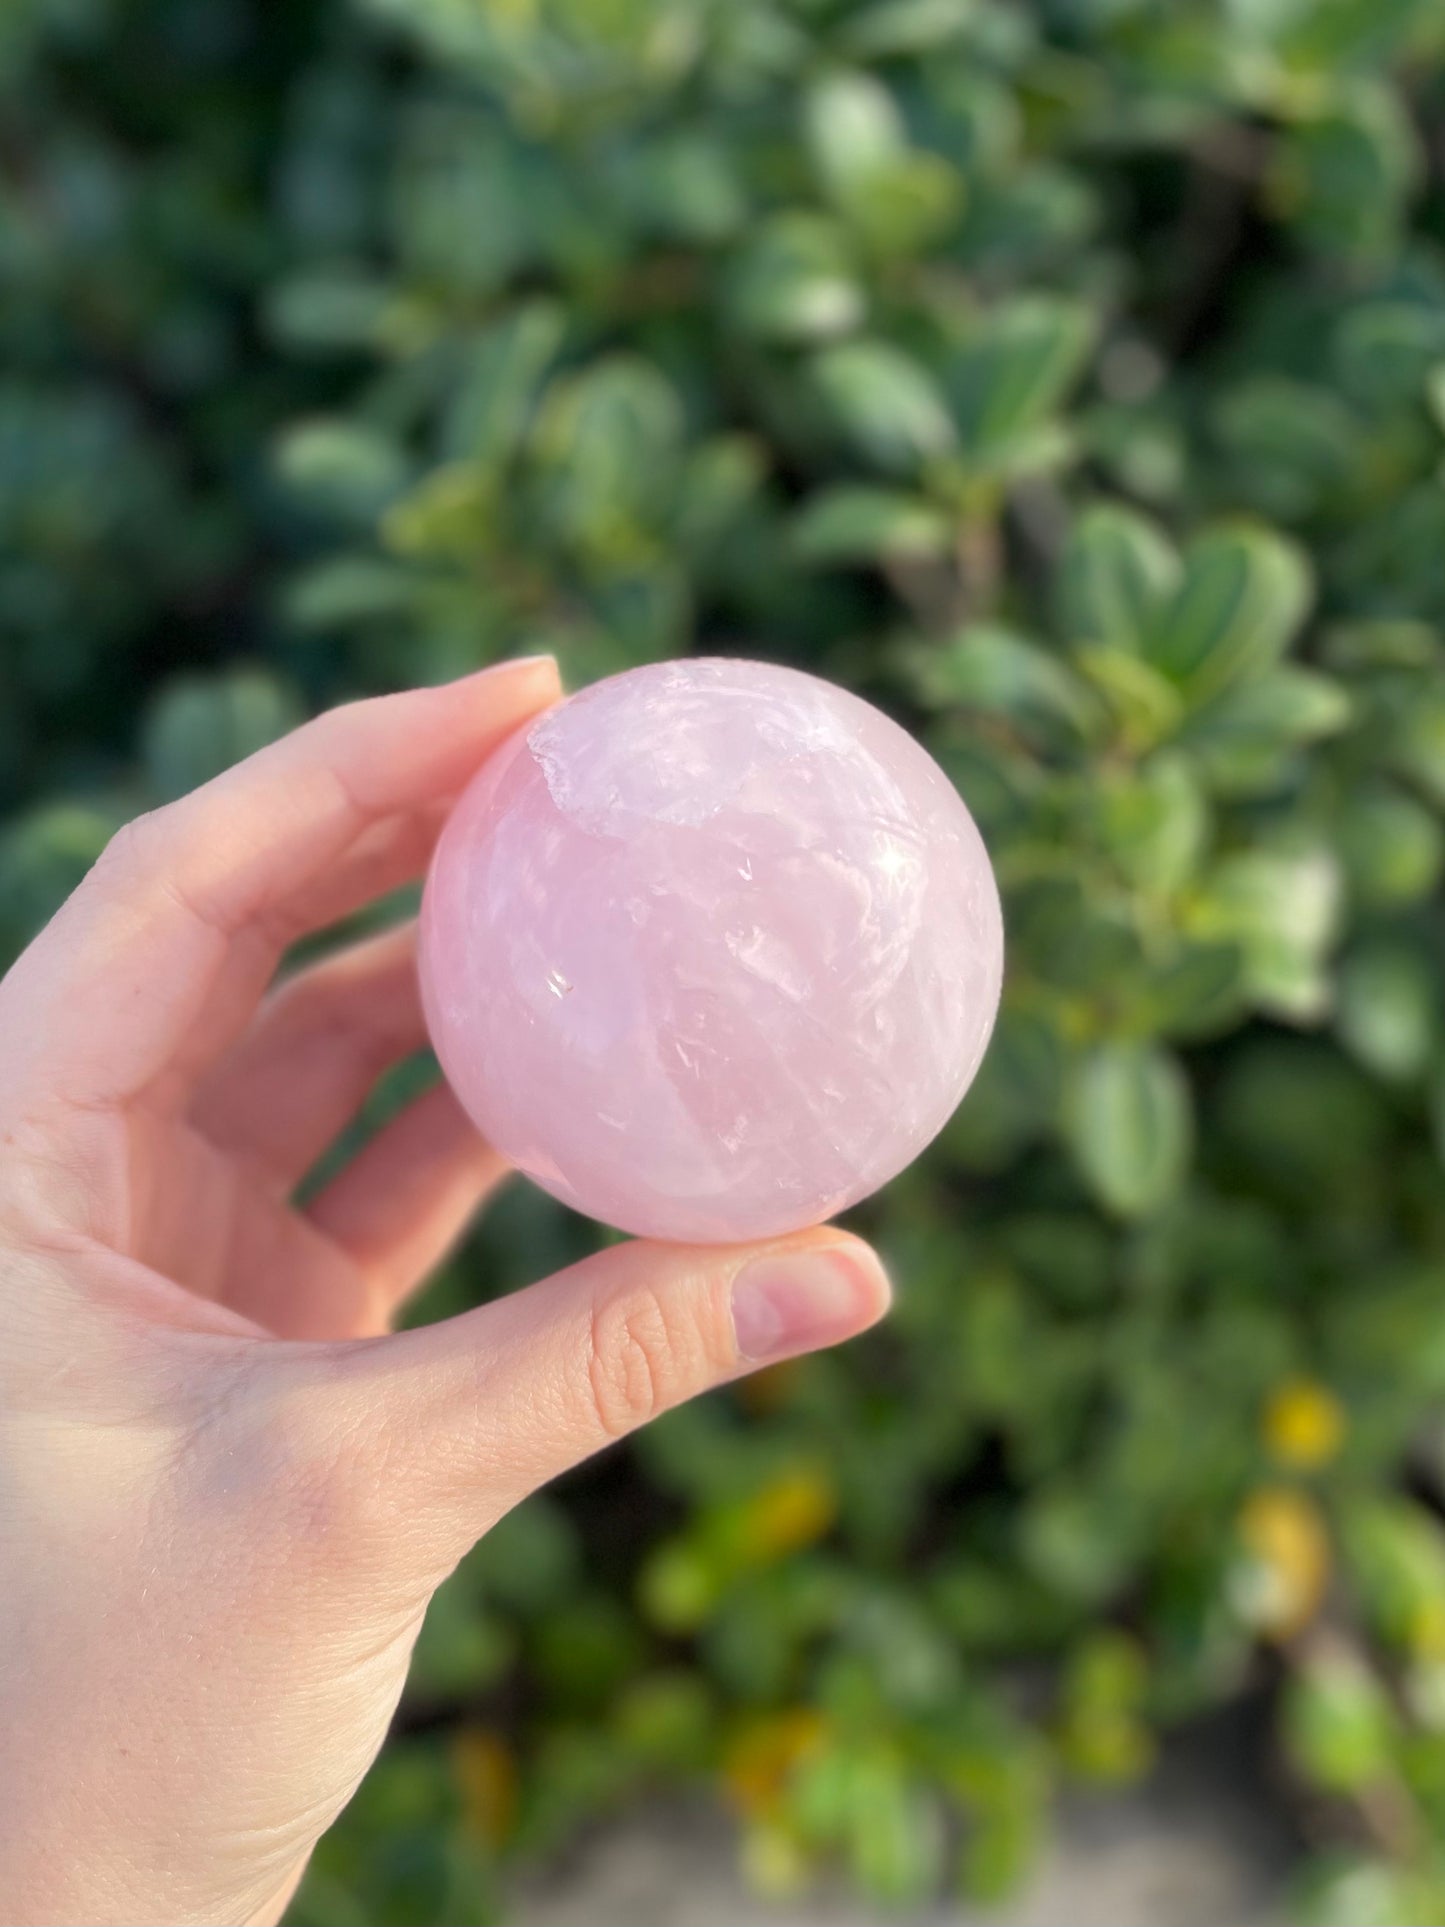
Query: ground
<point x="1206" y="1842"/>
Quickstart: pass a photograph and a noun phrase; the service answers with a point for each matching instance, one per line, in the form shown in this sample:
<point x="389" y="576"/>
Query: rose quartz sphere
<point x="710" y="950"/>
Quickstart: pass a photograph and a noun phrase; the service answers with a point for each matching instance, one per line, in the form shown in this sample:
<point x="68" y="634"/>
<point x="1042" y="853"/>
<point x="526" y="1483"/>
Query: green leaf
<point x="1282" y="907"/>
<point x="529" y="1559"/>
<point x="1396" y="1556"/>
<point x="668" y="1719"/>
<point x="998" y="673"/>
<point x="584" y="1647"/>
<point x="463" y="1649"/>
<point x="1244" y="596"/>
<point x="44" y="855"/>
<point x="1246" y="739"/>
<point x="1129" y="1124"/>
<point x="1199" y="992"/>
<point x="449" y="515"/>
<point x="896" y="1837"/>
<point x="1393" y="847"/>
<point x="1077" y="1541"/>
<point x="852" y="128"/>
<point x="903" y="208"/>
<point x="1331" y="36"/>
<point x="719" y="486"/>
<point x="498" y="392"/>
<point x="346" y="589"/>
<point x="1342" y="176"/>
<point x="858" y="524"/>
<point x="1002" y="1781"/>
<point x="897" y="197"/>
<point x="1388" y="1015"/>
<point x="996" y="1334"/>
<point x="1384" y="350"/>
<point x="1152" y="822"/>
<point x="1291" y="445"/>
<point x="1338" y="1724"/>
<point x="883" y="404"/>
<point x="1351" y="1888"/>
<point x="886" y="28"/>
<point x="1146" y="706"/>
<point x="677" y="1587"/>
<point x="686" y="186"/>
<point x="1015" y="1097"/>
<point x="795" y="281"/>
<point x="608" y="443"/>
<point x="976" y="116"/>
<point x="200" y="725"/>
<point x="1013" y="371"/>
<point x="324" y="309"/>
<point x="1000" y="781"/>
<point x="1108" y="1671"/>
<point x="1118" y="571"/>
<point x="1435" y="393"/>
<point x="1075" y="938"/>
<point x="1388" y="643"/>
<point x="477" y="212"/>
<point x="344" y="466"/>
<point x="1142" y="447"/>
<point x="1417" y="746"/>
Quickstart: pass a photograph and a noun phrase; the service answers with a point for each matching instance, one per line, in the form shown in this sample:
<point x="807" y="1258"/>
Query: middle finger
<point x="310" y="1057"/>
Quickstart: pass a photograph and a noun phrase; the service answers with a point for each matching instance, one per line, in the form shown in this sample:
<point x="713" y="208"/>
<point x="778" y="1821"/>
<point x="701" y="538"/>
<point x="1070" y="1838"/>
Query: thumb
<point x="464" y="1419"/>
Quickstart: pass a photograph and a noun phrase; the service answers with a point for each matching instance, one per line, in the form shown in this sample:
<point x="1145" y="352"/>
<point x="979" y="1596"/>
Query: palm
<point x="220" y="1227"/>
<point x="208" y="1245"/>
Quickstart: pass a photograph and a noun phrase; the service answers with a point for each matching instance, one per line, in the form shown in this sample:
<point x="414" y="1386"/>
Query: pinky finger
<point x="407" y="1196"/>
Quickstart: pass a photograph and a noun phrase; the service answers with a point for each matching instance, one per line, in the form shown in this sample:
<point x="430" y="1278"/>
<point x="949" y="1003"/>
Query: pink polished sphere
<point x="710" y="950"/>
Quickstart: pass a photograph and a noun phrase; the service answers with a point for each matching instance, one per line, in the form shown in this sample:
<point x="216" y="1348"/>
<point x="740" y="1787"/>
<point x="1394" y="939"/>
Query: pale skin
<point x="227" y="1489"/>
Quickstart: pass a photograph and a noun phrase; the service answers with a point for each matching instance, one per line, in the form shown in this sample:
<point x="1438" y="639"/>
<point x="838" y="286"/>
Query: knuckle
<point x="645" y="1353"/>
<point x="128" y="853"/>
<point x="630" y="1362"/>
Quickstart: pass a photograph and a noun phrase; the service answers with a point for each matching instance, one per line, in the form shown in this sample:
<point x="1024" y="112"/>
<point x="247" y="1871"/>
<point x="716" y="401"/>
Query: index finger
<point x="151" y="968"/>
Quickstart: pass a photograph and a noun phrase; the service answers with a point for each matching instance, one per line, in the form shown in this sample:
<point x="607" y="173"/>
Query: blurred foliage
<point x="1069" y="377"/>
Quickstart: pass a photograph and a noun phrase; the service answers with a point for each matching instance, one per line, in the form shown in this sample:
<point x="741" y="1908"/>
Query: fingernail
<point x="510" y="666"/>
<point x="797" y="1301"/>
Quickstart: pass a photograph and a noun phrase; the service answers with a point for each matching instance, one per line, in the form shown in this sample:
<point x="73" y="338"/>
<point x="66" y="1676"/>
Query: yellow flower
<point x="761" y="1757"/>
<point x="486" y="1775"/>
<point x="1426" y="1633"/>
<point x="1279" y="1584"/>
<point x="1304" y="1424"/>
<point x="793" y="1511"/>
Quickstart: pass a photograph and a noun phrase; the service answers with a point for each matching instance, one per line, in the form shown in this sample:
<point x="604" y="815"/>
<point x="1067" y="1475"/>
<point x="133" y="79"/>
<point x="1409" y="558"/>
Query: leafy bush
<point x="1070" y="377"/>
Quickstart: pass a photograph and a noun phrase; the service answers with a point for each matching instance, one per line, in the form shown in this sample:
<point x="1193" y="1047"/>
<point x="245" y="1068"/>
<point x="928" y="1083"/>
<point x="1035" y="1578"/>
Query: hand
<point x="225" y="1496"/>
